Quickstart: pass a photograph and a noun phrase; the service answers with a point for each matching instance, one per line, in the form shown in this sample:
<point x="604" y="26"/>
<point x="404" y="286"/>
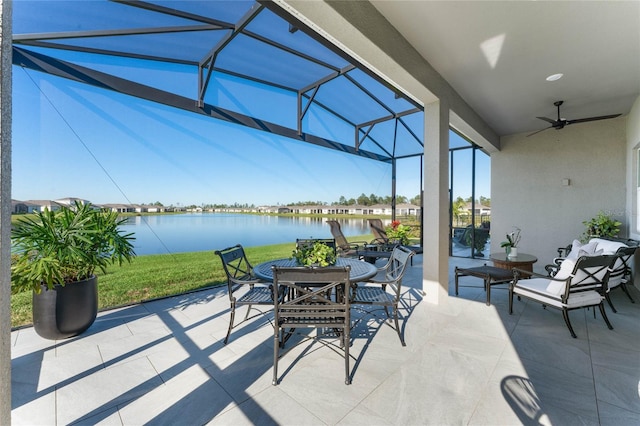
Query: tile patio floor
<point x="163" y="362"/>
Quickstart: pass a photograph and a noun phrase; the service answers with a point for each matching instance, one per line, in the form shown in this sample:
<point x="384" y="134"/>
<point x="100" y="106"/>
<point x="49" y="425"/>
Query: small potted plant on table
<point x="56" y="254"/>
<point x="511" y="243"/>
<point x="316" y="254"/>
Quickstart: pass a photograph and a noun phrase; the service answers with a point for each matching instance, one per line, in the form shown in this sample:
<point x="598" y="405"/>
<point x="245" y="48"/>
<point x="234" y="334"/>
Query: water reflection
<point x="211" y="231"/>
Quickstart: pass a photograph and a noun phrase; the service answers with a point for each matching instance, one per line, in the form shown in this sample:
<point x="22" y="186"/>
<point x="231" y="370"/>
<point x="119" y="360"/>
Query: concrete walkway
<point x="163" y="362"/>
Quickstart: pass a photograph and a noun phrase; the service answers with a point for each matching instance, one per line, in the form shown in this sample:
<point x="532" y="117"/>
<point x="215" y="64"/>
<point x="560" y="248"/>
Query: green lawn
<point x="153" y="276"/>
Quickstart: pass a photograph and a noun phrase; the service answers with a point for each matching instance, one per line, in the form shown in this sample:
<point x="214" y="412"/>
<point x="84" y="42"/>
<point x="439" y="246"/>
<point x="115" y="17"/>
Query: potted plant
<point x="398" y="232"/>
<point x="56" y="254"/>
<point x="603" y="225"/>
<point x="316" y="254"/>
<point x="511" y="243"/>
<point x="479" y="238"/>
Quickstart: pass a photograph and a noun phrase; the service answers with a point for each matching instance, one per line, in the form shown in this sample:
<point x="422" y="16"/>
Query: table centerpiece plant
<point x="317" y="254"/>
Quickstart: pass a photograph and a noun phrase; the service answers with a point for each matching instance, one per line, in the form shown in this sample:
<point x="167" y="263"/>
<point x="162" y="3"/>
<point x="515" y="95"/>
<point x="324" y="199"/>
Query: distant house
<point x="20" y="207"/>
<point x="405" y="209"/>
<point x="119" y="208"/>
<point x="380" y="209"/>
<point x="69" y="201"/>
<point x="479" y="210"/>
<point x="42" y="205"/>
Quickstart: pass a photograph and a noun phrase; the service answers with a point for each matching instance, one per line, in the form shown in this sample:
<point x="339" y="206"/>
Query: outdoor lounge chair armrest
<point x="380" y="241"/>
<point x="522" y="273"/>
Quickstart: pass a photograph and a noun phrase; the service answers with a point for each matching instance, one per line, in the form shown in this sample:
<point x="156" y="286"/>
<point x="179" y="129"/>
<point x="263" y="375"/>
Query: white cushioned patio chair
<point x="386" y="292"/>
<point x="578" y="284"/>
<point x="241" y="280"/>
<point x="620" y="274"/>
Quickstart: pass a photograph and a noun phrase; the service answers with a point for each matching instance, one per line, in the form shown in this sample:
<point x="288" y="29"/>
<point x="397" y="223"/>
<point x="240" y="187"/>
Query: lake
<point x="177" y="233"/>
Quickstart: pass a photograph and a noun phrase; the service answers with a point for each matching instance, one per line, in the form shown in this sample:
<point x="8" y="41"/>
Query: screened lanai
<point x="222" y="55"/>
<point x="225" y="53"/>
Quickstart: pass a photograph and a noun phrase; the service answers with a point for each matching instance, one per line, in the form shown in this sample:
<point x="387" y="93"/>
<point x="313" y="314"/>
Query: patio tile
<point x="611" y="415"/>
<point x="108" y="417"/>
<point x="104" y="389"/>
<point x="619" y="385"/>
<point x="439" y="386"/>
<point x="269" y="407"/>
<point x="561" y="352"/>
<point x="29" y="407"/>
<point x="189" y="398"/>
<point x="562" y="396"/>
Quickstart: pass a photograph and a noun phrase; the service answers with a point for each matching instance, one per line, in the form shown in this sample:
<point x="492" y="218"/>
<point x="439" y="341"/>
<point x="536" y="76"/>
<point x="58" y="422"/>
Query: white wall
<point x="527" y="184"/>
<point x="633" y="144"/>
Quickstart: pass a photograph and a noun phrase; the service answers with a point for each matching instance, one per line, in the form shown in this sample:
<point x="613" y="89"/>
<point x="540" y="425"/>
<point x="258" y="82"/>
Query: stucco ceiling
<point x="497" y="55"/>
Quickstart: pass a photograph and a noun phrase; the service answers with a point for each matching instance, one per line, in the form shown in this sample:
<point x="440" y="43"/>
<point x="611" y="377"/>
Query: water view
<point x="164" y="234"/>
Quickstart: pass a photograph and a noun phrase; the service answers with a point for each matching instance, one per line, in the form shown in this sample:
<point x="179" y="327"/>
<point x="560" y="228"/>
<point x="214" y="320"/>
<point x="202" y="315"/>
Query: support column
<point x="435" y="221"/>
<point x="5" y="212"/>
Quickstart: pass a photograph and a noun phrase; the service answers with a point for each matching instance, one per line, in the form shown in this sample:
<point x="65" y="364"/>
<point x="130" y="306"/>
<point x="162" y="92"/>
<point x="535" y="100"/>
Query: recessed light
<point x="554" y="77"/>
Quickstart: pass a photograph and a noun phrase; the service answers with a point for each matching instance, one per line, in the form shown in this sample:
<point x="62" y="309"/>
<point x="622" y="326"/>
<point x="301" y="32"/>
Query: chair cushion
<point x="589" y="249"/>
<point x="557" y="287"/>
<point x="536" y="288"/>
<point x="617" y="274"/>
<point x="566" y="268"/>
<point x="608" y="247"/>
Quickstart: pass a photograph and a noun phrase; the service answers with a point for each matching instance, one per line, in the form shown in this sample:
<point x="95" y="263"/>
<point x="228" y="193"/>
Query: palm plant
<point x="67" y="245"/>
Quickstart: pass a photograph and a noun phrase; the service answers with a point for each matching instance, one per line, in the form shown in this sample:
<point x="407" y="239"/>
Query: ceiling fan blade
<point x="584" y="120"/>
<point x="542" y="130"/>
<point x="548" y="120"/>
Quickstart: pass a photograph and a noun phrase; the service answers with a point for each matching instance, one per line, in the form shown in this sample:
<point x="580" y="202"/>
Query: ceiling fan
<point x="561" y="122"/>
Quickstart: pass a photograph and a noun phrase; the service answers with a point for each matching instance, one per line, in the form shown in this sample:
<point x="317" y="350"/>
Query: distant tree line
<point x="363" y="200"/>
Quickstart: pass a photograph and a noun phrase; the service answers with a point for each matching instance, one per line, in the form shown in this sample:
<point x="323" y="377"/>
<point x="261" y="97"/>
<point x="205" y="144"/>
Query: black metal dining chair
<point x="317" y="298"/>
<point x="385" y="292"/>
<point x="242" y="280"/>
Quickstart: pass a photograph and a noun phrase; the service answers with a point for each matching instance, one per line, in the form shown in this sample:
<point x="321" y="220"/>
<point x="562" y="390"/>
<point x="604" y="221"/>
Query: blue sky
<point x="72" y="140"/>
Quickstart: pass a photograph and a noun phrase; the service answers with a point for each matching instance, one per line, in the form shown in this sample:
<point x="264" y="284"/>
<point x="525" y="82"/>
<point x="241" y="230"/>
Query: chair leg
<point x="626" y="291"/>
<point x="395" y="317"/>
<point x="565" y="315"/>
<point x="248" y="311"/>
<point x="346" y="342"/>
<point x="456" y="280"/>
<point x="606" y="296"/>
<point x="510" y="301"/>
<point x="276" y="347"/>
<point x="233" y="315"/>
<point x="604" y="315"/>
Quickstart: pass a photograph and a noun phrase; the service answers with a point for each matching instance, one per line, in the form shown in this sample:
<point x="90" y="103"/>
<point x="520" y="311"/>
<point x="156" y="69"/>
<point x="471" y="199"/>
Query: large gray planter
<point x="65" y="311"/>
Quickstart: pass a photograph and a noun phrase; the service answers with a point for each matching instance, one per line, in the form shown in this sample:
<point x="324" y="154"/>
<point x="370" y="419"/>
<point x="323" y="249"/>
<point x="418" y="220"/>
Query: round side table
<point x="522" y="261"/>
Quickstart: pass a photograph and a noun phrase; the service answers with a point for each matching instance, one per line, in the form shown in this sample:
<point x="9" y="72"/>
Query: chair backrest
<point x="316" y="296"/>
<point x="377" y="228"/>
<point x="621" y="266"/>
<point x="397" y="266"/>
<point x="336" y="231"/>
<point x="309" y="242"/>
<point x="236" y="265"/>
<point x="589" y="273"/>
